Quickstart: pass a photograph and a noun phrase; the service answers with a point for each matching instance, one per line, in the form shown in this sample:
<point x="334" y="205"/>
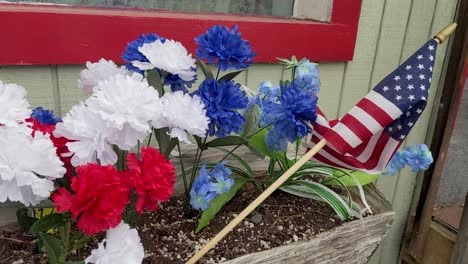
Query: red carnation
<point x="59" y="143"/>
<point x="101" y="194"/>
<point x="153" y="177"/>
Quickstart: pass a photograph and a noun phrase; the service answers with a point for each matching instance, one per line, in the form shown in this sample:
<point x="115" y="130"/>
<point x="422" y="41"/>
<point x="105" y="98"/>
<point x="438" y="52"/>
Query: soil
<point x="168" y="235"/>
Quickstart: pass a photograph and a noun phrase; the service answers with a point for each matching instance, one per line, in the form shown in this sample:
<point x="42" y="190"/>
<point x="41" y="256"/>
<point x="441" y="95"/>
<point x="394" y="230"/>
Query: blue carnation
<point x="210" y="184"/>
<point x="132" y="53"/>
<point x="418" y="157"/>
<point x="307" y="76"/>
<point x="221" y="100"/>
<point x="289" y="116"/>
<point x="177" y="84"/>
<point x="225" y="48"/>
<point x="45" y="117"/>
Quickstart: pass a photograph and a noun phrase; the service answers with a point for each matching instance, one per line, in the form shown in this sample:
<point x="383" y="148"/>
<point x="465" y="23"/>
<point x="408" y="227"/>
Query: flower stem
<point x="197" y="162"/>
<point x="65" y="241"/>
<point x="184" y="176"/>
<point x="149" y="139"/>
<point x="229" y="153"/>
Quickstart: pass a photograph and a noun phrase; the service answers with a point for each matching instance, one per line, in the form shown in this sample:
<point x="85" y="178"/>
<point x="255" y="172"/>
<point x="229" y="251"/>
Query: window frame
<point x="57" y="34"/>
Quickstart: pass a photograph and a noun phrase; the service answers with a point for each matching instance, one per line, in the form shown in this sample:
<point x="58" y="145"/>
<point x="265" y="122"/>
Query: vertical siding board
<point x="258" y="73"/>
<point x="331" y="78"/>
<point x="37" y="80"/>
<point x="357" y="77"/>
<point x="68" y="85"/>
<point x="388" y="55"/>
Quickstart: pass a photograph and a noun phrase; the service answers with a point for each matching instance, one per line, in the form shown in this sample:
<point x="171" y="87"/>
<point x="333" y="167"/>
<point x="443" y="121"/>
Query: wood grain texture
<point x="356" y="240"/>
<point x="353" y="242"/>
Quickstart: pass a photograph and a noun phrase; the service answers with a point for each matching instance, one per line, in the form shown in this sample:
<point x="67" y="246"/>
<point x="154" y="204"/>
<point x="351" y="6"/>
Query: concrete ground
<point x="454" y="184"/>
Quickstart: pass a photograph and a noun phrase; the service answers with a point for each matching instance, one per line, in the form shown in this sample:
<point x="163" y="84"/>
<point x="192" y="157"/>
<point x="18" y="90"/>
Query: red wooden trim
<point x="38" y="34"/>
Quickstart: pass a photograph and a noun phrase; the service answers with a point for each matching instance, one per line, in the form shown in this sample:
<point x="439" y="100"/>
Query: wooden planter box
<point x="352" y="242"/>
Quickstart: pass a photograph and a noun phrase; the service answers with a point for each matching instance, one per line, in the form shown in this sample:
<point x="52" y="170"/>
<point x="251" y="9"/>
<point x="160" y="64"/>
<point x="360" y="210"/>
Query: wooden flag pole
<point x="441" y="36"/>
<point x="249" y="209"/>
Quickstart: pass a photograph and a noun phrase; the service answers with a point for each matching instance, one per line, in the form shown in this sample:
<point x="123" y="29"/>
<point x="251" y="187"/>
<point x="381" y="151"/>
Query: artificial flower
<point x="182" y="114"/>
<point x="153" y="177"/>
<point x="418" y="157"/>
<point x="97" y="72"/>
<point x="122" y="245"/>
<point x="169" y="56"/>
<point x="127" y="105"/>
<point x="14" y="107"/>
<point x="132" y="53"/>
<point x="291" y="116"/>
<point x="45" y="117"/>
<point x="210" y="184"/>
<point x="177" y="84"/>
<point x="28" y="165"/>
<point x="221" y="100"/>
<point x="220" y="179"/>
<point x="88" y="134"/>
<point x="307" y="76"/>
<point x="200" y="195"/>
<point x="60" y="143"/>
<point x="224" y="47"/>
<point x="99" y="199"/>
<point x="396" y="164"/>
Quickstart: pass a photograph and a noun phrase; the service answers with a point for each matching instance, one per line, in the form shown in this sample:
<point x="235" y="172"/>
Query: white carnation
<point x="122" y="245"/>
<point x="170" y="56"/>
<point x="89" y="134"/>
<point x="181" y="114"/>
<point x="28" y="165"/>
<point x="14" y="107"/>
<point x="97" y="72"/>
<point x="127" y="105"/>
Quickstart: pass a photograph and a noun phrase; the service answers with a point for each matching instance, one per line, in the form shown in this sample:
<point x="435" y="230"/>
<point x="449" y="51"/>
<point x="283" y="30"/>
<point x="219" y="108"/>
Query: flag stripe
<point x="389" y="108"/>
<point x="379" y="115"/>
<point x="364" y="118"/>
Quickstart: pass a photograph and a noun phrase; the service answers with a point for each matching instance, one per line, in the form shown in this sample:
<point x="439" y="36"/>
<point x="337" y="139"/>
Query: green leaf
<point x="251" y="121"/>
<point x="226" y="141"/>
<point x="205" y="69"/>
<point x="154" y="79"/>
<point x="23" y="218"/>
<point x="363" y="178"/>
<point x="52" y="246"/>
<point x="311" y="189"/>
<point x="217" y="203"/>
<point x="47" y="222"/>
<point x="230" y="76"/>
<point x="257" y="142"/>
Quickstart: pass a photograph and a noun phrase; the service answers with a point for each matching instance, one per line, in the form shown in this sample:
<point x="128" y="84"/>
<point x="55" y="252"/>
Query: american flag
<point x="366" y="137"/>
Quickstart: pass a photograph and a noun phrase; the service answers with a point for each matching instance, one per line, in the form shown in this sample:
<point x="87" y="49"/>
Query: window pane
<point x="282" y="8"/>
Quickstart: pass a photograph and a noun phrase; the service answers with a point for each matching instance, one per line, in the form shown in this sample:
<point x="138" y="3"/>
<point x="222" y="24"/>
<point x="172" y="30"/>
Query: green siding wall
<point x="389" y="31"/>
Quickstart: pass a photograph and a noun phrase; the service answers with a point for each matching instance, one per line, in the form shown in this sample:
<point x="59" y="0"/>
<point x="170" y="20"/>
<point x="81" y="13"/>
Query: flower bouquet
<point x="112" y="162"/>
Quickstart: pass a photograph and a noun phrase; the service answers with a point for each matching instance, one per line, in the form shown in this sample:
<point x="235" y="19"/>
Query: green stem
<point x="293" y="73"/>
<point x="229" y="153"/>
<point x="197" y="162"/>
<point x="184" y="176"/>
<point x="149" y="139"/>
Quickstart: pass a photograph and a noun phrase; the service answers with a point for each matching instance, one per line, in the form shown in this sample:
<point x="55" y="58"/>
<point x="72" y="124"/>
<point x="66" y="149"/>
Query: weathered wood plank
<point x="353" y="242"/>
